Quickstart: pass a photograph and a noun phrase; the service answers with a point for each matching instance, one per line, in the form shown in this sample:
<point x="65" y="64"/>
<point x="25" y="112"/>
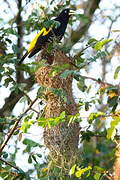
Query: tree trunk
<point x="116" y="167"/>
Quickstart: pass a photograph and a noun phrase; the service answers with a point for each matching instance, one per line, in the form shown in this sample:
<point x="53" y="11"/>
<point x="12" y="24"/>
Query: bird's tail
<point x="22" y="59"/>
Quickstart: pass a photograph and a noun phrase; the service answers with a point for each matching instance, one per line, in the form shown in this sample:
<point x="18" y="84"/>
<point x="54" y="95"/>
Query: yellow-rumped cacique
<point x="47" y="34"/>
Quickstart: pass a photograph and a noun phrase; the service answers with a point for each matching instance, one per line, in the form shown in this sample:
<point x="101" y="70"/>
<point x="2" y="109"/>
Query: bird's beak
<point x="71" y="12"/>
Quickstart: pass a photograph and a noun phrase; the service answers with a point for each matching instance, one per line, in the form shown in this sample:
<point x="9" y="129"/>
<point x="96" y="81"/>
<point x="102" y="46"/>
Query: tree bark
<point x="116" y="167"/>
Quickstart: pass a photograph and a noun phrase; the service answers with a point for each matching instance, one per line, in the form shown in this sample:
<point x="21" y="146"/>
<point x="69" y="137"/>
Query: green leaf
<point x="11" y="31"/>
<point x="15" y="49"/>
<point x="27" y="123"/>
<point x="72" y="170"/>
<point x="80" y="171"/>
<point x="39" y="155"/>
<point x="7" y="81"/>
<point x="18" y="87"/>
<point x="42" y="122"/>
<point x="99" y="45"/>
<point x="48" y="122"/>
<point x="40" y="91"/>
<point x="112" y="88"/>
<point x="2" y="120"/>
<point x="34" y="66"/>
<point x="93" y="116"/>
<point x="99" y="169"/>
<point x="116" y="72"/>
<point x="111" y="132"/>
<point x="5" y="155"/>
<point x="97" y="176"/>
<point x="30" y="144"/>
<point x="79" y="61"/>
<point x="30" y="159"/>
<point x="92" y="41"/>
<point x="74" y="118"/>
<point x="87" y="135"/>
<point x="62" y="115"/>
<point x="81" y="84"/>
<point x="58" y="69"/>
<point x="8" y="40"/>
<point x="34" y="158"/>
<point x="51" y="23"/>
<point x="87" y="105"/>
<point x="82" y="17"/>
<point x="100" y="54"/>
<point x="115" y="30"/>
<point x="66" y="73"/>
<point x="60" y="93"/>
<point x="112" y="101"/>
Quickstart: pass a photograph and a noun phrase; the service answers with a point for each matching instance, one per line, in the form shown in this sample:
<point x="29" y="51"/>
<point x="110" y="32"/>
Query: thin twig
<point x="15" y="126"/>
<point x="97" y="80"/>
<point x="9" y="164"/>
<point x="35" y="111"/>
<point x="28" y="98"/>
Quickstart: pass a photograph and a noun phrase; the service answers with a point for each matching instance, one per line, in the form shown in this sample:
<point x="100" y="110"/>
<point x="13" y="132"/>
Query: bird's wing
<point x="39" y="40"/>
<point x="42" y="33"/>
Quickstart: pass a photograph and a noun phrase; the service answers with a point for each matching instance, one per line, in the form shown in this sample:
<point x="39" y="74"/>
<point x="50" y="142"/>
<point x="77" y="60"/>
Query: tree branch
<point x="13" y="98"/>
<point x="89" y="10"/>
<point x="9" y="164"/>
<point x="19" y="27"/>
<point x="97" y="80"/>
<point x="15" y="126"/>
<point x="19" y="23"/>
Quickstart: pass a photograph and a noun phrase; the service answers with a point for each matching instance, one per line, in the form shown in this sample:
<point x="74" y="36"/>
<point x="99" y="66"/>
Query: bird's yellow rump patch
<point x="43" y="32"/>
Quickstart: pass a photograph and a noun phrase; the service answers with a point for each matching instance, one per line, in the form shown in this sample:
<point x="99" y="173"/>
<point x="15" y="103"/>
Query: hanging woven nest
<point x="62" y="139"/>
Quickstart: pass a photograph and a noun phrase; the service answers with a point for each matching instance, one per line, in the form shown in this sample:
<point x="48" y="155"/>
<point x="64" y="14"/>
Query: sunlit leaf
<point x="72" y="170"/>
<point x="116" y="72"/>
<point x="111" y="132"/>
<point x="97" y="176"/>
<point x="81" y="171"/>
<point x="53" y="121"/>
<point x="93" y="116"/>
<point x="99" y="45"/>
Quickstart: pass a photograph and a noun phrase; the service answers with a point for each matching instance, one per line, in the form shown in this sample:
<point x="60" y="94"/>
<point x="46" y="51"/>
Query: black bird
<point x="48" y="34"/>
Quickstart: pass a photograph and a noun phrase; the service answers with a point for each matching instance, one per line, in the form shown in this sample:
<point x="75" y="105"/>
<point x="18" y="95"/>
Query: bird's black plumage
<point x="46" y="35"/>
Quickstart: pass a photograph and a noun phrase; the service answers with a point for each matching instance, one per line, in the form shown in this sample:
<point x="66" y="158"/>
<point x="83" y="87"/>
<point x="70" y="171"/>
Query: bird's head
<point x="65" y="14"/>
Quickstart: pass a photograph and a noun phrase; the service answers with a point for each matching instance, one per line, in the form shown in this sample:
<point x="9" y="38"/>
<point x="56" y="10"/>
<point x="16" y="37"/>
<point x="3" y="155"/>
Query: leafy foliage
<point x="96" y="151"/>
<point x="78" y="172"/>
<point x="111" y="132"/>
<point x="48" y="122"/>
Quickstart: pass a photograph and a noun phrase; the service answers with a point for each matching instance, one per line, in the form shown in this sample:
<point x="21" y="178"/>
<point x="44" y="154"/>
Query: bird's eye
<point x="65" y="11"/>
